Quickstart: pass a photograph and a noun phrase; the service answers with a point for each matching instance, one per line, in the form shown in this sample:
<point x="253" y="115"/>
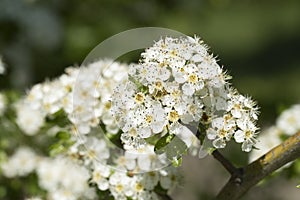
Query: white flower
<point x="289" y="120"/>
<point x="96" y="150"/>
<point x="53" y="93"/>
<point x="246" y="134"/>
<point x="220" y="132"/>
<point x="64" y="179"/>
<point x="92" y="93"/>
<point x="100" y="176"/>
<point x="21" y="163"/>
<point x="150" y="179"/>
<point x="120" y="185"/>
<point x="169" y="178"/>
<point x="146" y="159"/>
<point x="28" y="119"/>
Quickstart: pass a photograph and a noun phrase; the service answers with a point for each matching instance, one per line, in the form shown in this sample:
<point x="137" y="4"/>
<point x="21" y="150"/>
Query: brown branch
<point x="226" y="163"/>
<point x="250" y="175"/>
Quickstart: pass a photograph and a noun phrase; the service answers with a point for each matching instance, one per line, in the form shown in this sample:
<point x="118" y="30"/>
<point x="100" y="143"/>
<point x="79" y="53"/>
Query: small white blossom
<point x="289" y="120"/>
<point x="100" y="176"/>
<point x="169" y="180"/>
<point x="96" y="150"/>
<point x="64" y="179"/>
<point x="246" y="134"/>
<point x="28" y="119"/>
<point x="21" y="163"/>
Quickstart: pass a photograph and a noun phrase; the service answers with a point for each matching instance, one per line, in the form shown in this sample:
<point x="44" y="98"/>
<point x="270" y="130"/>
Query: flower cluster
<point x="178" y="83"/>
<point x="177" y="93"/>
<point x="138" y="186"/>
<point x="83" y="97"/>
<point x="60" y="177"/>
<point x="21" y="163"/>
<point x="64" y="179"/>
<point x="83" y="94"/>
<point x="91" y="95"/>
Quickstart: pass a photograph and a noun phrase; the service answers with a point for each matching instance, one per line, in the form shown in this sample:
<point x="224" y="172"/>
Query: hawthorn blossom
<point x="21" y="163"/>
<point x="178" y="83"/>
<point x="289" y="120"/>
<point x="64" y="179"/>
<point x="86" y="104"/>
<point x="246" y="134"/>
<point x="29" y="120"/>
<point x="100" y="176"/>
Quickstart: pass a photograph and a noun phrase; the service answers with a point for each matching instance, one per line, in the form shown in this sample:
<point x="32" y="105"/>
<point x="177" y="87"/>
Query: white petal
<point x="211" y="134"/>
<point x="247" y="146"/>
<point x="239" y="136"/>
<point x="157" y="127"/>
<point x="145" y="132"/>
<point x="144" y="162"/>
<point x="197" y="58"/>
<point x="188" y="89"/>
<point x="219" y="143"/>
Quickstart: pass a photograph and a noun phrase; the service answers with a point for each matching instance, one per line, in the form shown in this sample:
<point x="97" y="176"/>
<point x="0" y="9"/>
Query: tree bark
<point x="250" y="175"/>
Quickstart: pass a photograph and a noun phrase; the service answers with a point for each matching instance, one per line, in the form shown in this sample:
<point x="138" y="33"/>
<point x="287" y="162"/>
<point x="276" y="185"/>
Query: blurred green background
<point x="257" y="41"/>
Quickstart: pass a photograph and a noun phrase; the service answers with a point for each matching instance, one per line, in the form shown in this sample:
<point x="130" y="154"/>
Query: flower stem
<point x="225" y="162"/>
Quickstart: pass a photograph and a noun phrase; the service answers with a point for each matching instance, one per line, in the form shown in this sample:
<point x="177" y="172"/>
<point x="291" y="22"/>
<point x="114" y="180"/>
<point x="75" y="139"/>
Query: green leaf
<point x="172" y="146"/>
<point x="153" y="139"/>
<point x="162" y="142"/>
<point x="62" y="144"/>
<point x="63" y="135"/>
<point x="177" y="162"/>
<point x="56" y="149"/>
<point x="201" y="133"/>
<point x="211" y="150"/>
<point x="59" y="118"/>
<point x="115" y="139"/>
